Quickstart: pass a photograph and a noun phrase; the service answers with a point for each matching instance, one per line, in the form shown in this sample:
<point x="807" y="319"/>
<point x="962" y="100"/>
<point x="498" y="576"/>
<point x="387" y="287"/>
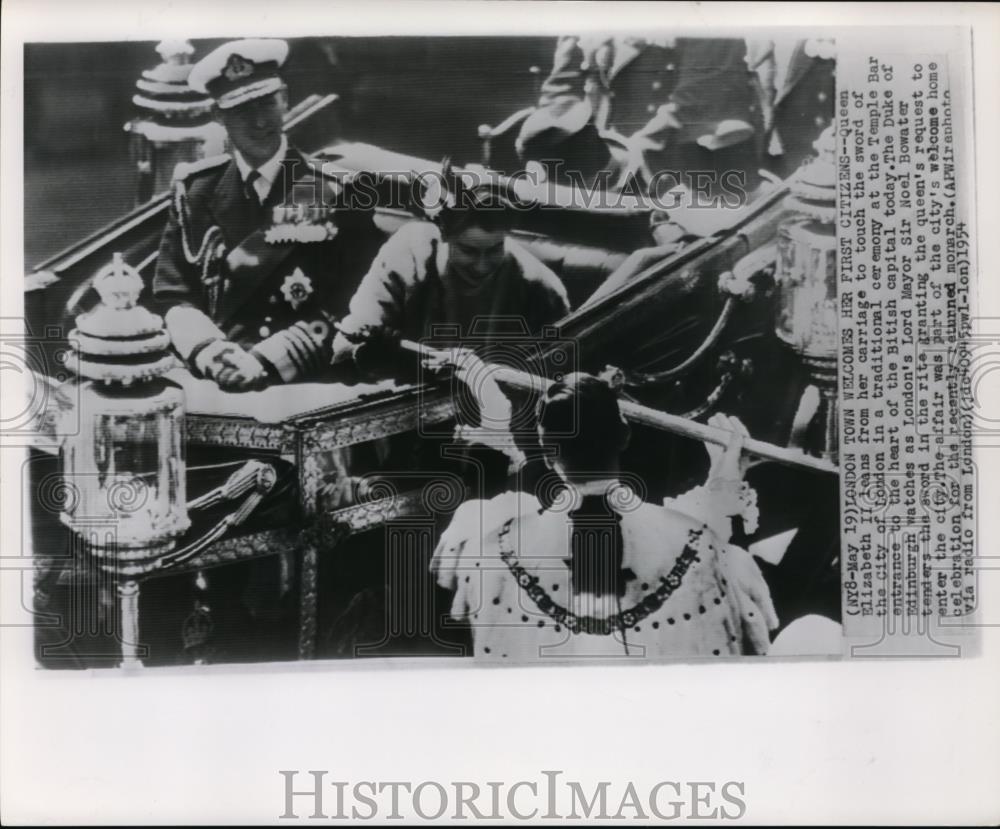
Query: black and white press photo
<point x="508" y="348"/>
<point x="496" y="410"/>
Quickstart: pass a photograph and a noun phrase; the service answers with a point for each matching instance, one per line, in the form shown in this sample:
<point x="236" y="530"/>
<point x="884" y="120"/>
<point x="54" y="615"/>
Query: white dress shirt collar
<point x="268" y="170"/>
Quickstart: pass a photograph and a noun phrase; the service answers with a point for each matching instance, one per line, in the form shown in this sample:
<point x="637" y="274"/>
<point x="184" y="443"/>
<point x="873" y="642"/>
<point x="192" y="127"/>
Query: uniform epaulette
<point x="186" y="169"/>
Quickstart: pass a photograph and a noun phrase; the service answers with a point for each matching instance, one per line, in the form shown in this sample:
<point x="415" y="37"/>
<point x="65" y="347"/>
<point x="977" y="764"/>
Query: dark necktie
<point x="248" y="189"/>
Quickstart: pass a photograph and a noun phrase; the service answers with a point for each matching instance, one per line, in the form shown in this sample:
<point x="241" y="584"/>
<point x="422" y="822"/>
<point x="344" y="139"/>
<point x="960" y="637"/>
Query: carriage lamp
<point x="174" y="122"/>
<point x="806" y="275"/>
<point x="124" y="464"/>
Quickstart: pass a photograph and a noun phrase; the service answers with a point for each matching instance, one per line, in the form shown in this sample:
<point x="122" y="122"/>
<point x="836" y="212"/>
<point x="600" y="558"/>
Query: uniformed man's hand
<point x="232" y="367"/>
<point x="247" y="372"/>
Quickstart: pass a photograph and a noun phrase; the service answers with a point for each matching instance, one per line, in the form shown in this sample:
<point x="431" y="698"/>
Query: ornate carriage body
<point x="691" y="333"/>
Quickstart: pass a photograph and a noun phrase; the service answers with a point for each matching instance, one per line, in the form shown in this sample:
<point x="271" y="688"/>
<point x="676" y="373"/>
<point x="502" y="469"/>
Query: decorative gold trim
<point x="365" y="516"/>
<point x="240" y="432"/>
<point x="363" y="425"/>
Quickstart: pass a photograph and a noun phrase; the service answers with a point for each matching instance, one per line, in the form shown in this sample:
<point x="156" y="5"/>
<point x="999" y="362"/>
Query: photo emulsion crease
<point x="613" y="347"/>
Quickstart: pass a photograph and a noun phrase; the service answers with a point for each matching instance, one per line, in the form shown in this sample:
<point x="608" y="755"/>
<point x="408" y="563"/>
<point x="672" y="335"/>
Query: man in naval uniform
<point x="262" y="251"/>
<point x="667" y="104"/>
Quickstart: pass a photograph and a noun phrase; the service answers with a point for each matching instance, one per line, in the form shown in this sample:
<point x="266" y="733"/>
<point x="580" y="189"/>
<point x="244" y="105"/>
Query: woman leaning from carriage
<point x="599" y="573"/>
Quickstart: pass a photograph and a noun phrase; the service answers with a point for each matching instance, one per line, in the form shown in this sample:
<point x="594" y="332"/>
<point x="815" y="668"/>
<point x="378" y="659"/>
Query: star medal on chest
<point x="296" y="289"/>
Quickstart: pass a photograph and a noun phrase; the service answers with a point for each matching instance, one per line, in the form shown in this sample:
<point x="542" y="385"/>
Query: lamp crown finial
<point x="175" y="51"/>
<point x="119" y="284"/>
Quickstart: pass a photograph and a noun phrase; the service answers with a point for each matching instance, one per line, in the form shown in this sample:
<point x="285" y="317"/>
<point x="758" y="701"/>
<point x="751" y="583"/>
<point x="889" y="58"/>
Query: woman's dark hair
<point x="454" y="202"/>
<point x="579" y="415"/>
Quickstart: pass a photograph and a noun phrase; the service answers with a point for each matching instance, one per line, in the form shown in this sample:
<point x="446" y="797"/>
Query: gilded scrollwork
<point x="211" y="430"/>
<point x="364" y="426"/>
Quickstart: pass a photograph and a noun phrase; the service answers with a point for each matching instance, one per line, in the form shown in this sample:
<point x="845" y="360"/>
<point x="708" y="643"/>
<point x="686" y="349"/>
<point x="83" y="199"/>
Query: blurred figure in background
<point x="644" y="106"/>
<point x="797" y="80"/>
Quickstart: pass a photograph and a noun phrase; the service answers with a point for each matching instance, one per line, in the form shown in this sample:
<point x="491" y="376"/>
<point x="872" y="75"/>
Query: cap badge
<point x="296" y="288"/>
<point x="237" y="67"/>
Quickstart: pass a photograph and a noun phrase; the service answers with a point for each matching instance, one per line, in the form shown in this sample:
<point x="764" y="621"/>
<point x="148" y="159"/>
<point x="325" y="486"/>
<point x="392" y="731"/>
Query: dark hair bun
<point x="580" y="415"/>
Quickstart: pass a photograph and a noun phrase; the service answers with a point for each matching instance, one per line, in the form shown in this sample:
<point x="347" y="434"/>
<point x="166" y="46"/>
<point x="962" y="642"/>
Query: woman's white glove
<point x="726" y="489"/>
<point x="727" y="462"/>
<point x="724" y="494"/>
